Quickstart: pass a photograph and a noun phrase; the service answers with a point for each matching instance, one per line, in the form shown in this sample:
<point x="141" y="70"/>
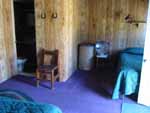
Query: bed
<point x="130" y="63"/>
<point x="15" y="102"/>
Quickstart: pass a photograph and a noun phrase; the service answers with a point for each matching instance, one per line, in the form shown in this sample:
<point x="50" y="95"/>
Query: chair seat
<point x="102" y="56"/>
<point x="46" y="68"/>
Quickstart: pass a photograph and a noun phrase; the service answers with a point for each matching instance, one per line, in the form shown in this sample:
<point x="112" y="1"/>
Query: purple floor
<point x="84" y="92"/>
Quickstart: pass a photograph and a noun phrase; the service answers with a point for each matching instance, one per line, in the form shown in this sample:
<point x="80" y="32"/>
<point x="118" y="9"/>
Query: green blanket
<point x="8" y="105"/>
<point x="130" y="63"/>
<point x="127" y="83"/>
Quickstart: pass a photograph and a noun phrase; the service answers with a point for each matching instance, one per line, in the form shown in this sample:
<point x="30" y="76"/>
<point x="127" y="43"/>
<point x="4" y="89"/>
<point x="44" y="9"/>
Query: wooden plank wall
<point x="78" y="21"/>
<point x="60" y="33"/>
<point x="7" y="42"/>
<point x="104" y="20"/>
<point x="87" y="21"/>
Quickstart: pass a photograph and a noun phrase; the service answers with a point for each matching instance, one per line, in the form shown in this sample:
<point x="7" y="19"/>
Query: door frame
<point x="144" y="79"/>
<point x="14" y="31"/>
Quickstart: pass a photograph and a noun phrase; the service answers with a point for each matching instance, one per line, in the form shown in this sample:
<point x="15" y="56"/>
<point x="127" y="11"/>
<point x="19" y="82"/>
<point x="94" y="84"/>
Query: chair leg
<point x="37" y="83"/>
<point x="52" y="79"/>
<point x="96" y="62"/>
<point x="37" y="78"/>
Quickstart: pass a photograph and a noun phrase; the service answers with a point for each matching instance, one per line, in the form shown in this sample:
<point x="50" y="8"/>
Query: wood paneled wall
<point x="78" y="21"/>
<point x="60" y="33"/>
<point x="105" y="20"/>
<point x="87" y="21"/>
<point x="7" y="42"/>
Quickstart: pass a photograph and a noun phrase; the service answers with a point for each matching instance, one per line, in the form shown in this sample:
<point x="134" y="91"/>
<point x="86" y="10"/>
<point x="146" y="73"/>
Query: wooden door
<point x="144" y="90"/>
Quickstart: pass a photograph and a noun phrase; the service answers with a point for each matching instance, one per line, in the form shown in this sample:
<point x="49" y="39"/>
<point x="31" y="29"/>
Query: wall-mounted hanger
<point x="131" y="20"/>
<point x="43" y="15"/>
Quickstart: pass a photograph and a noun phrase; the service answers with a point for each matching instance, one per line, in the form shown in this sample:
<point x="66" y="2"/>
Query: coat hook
<point x="54" y="15"/>
<point x="43" y="15"/>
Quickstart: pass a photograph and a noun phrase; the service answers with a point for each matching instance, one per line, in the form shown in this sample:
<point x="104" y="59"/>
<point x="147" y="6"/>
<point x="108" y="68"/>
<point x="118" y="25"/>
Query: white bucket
<point x="20" y="64"/>
<point x="86" y="57"/>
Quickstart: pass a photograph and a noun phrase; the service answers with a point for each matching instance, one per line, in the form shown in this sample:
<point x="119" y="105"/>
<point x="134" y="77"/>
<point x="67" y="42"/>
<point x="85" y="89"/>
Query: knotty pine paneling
<point x="7" y="41"/>
<point x="87" y="21"/>
<point x="60" y="33"/>
<point x="106" y="22"/>
<point x="78" y="21"/>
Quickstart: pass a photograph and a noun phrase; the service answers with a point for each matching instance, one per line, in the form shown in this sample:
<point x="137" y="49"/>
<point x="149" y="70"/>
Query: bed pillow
<point x="14" y="94"/>
<point x="134" y="50"/>
<point x="8" y="105"/>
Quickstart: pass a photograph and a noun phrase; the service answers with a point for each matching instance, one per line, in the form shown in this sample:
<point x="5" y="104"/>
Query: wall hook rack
<point x="131" y="20"/>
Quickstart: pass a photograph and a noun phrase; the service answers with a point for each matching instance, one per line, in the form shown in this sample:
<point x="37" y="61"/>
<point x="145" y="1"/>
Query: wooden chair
<point x="48" y="67"/>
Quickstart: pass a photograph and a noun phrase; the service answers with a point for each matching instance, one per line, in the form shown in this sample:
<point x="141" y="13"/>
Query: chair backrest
<point x="49" y="57"/>
<point x="102" y="48"/>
